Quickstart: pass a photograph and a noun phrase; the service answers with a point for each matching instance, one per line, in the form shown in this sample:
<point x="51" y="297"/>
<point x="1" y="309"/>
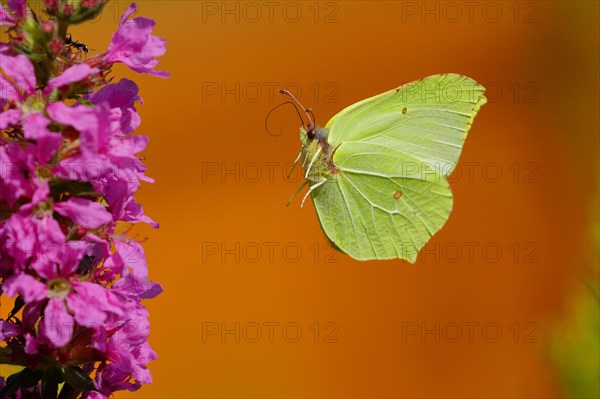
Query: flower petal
<point x="5" y="18"/>
<point x="134" y="257"/>
<point x="18" y="7"/>
<point x="138" y="288"/>
<point x="92" y="122"/>
<point x="58" y="323"/>
<point x="132" y="9"/>
<point x="84" y="212"/>
<point x="8" y="330"/>
<point x="121" y="96"/>
<point x="74" y="74"/>
<point x="10" y="117"/>
<point x="31" y="344"/>
<point x="35" y="128"/>
<point x="27" y="286"/>
<point x="8" y="91"/>
<point x="91" y="302"/>
<point x="20" y="69"/>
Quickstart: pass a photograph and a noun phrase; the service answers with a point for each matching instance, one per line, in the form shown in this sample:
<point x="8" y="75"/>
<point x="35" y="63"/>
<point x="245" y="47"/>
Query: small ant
<point x="75" y="44"/>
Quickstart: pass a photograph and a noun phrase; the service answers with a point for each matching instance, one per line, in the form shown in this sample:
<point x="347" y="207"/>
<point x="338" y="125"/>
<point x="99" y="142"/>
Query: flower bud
<point x="74" y="11"/>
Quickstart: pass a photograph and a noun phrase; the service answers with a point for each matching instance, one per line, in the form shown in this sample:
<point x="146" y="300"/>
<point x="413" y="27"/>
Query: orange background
<point x="540" y="64"/>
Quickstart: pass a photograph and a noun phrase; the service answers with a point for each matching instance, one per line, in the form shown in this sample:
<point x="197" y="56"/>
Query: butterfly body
<point x="377" y="172"/>
<point x="316" y="155"/>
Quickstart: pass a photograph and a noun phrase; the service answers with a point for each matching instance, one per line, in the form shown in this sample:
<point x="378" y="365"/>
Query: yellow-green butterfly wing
<point x="387" y="192"/>
<point x="427" y="119"/>
<point x="380" y="212"/>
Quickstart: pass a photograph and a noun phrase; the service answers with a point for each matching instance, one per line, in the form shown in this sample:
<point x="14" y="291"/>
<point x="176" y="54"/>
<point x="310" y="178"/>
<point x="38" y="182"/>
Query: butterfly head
<point x="317" y="133"/>
<point x="310" y="130"/>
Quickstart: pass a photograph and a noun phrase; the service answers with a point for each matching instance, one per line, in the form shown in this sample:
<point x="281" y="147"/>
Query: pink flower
<point x="18" y="12"/>
<point x="18" y="7"/>
<point x="66" y="299"/>
<point x="28" y="235"/>
<point x="28" y="103"/>
<point x="134" y="45"/>
<point x="121" y="98"/>
<point x="20" y="70"/>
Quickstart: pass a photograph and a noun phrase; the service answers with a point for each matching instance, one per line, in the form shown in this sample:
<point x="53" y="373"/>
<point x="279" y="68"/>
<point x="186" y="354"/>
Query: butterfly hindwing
<point x="371" y="213"/>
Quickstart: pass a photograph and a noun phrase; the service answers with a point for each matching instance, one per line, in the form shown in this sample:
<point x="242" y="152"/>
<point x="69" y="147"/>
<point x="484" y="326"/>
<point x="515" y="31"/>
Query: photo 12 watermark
<point x="288" y="12"/>
<point x="451" y="12"/>
<point x="253" y="92"/>
<point x="471" y="332"/>
<point x="272" y="252"/>
<point x="478" y="252"/>
<point x="269" y="332"/>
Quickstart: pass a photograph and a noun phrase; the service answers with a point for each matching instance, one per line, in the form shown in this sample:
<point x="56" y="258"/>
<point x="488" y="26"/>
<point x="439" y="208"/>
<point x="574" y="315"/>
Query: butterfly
<point x="377" y="172"/>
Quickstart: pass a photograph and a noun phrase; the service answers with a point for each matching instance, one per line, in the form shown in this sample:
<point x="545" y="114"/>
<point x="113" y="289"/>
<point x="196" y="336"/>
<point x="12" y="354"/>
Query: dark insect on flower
<point x="76" y="44"/>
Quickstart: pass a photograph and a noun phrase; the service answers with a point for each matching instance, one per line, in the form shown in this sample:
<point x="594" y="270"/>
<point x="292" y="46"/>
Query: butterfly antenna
<point x="308" y="112"/>
<point x="297" y="191"/>
<point x="311" y="114"/>
<point x="280" y="105"/>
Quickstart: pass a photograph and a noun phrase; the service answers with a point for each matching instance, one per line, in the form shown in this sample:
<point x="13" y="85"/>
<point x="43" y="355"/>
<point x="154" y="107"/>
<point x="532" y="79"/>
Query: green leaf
<point x="83" y="101"/>
<point x="68" y="392"/>
<point x="25" y="378"/>
<point x="19" y="303"/>
<point x="72" y="187"/>
<point x="52" y="378"/>
<point x="78" y="379"/>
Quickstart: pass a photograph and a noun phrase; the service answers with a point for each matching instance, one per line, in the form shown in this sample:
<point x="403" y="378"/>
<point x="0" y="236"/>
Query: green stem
<point x="63" y="26"/>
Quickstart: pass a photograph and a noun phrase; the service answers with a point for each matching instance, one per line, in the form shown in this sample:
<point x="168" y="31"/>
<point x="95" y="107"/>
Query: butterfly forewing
<point x="428" y="119"/>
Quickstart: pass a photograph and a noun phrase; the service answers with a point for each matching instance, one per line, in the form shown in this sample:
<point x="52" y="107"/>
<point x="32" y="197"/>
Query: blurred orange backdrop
<point x="474" y="317"/>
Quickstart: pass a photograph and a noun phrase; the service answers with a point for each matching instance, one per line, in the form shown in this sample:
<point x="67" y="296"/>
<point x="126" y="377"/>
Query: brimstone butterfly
<point x="377" y="172"/>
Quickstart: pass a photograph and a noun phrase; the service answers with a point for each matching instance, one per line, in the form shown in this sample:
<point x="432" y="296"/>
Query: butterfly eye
<point x="311" y="134"/>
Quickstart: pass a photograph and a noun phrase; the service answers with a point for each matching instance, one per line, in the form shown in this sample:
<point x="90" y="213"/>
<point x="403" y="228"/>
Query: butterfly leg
<point x="312" y="162"/>
<point x="297" y="191"/>
<point x="311" y="189"/>
<point x="295" y="162"/>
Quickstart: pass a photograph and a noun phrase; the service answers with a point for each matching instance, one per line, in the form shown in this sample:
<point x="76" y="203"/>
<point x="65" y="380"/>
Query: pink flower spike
<point x="69" y="173"/>
<point x="84" y="212"/>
